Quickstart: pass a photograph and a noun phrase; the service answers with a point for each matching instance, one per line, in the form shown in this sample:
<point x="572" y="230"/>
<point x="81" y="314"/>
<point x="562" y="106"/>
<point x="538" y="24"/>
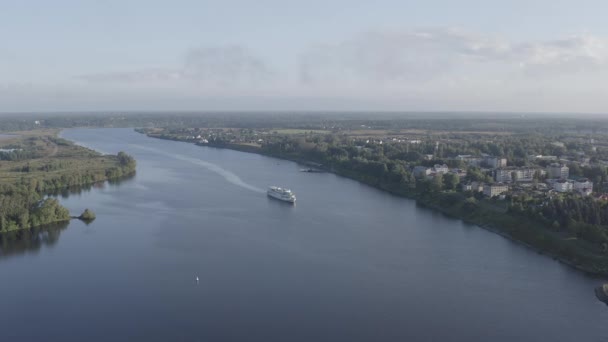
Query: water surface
<point x="347" y="263"/>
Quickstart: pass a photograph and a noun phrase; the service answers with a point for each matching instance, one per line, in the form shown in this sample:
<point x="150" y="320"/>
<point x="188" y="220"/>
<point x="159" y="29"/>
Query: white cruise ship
<point x="281" y="194"/>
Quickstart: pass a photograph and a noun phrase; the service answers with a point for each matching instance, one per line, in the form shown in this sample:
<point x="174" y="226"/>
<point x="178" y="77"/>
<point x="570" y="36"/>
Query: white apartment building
<point x="562" y="185"/>
<point x="584" y="186"/>
<point x="441" y="168"/>
<point x="524" y="174"/>
<point x="496" y="189"/>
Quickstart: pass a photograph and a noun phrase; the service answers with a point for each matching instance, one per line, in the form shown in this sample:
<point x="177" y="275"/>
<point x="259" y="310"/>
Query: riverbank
<point x="486" y="214"/>
<point x="36" y="164"/>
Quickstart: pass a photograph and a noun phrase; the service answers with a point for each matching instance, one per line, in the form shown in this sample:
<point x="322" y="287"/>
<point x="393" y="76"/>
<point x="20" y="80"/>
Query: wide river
<point x="347" y="263"/>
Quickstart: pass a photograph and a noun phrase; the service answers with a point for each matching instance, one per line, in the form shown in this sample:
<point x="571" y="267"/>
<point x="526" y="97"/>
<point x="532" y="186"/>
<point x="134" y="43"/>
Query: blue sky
<point x="304" y="55"/>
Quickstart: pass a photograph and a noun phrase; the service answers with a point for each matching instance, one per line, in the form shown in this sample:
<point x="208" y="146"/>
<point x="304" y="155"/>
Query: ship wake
<point x="228" y="175"/>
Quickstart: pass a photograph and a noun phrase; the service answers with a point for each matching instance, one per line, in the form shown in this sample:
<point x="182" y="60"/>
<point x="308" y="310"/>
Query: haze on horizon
<point x="529" y="56"/>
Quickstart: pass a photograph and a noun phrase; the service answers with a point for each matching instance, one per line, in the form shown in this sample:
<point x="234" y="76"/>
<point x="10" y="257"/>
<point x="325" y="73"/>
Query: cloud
<point x="224" y="66"/>
<point x="401" y="58"/>
<point x="573" y="54"/>
<point x="384" y="60"/>
<point x="433" y="69"/>
<point x="140" y="76"/>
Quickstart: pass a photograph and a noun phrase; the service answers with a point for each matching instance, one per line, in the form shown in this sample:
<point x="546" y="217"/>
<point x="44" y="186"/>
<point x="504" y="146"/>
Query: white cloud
<point x="580" y="53"/>
<point x="401" y="58"/>
<point x="433" y="69"/>
<point x="223" y="66"/>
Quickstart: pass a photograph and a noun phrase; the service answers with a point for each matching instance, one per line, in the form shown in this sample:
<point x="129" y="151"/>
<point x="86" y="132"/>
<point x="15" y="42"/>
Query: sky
<point x="314" y="55"/>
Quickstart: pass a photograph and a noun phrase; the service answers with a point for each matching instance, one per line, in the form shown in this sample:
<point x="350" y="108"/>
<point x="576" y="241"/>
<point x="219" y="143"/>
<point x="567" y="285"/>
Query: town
<point x="575" y="168"/>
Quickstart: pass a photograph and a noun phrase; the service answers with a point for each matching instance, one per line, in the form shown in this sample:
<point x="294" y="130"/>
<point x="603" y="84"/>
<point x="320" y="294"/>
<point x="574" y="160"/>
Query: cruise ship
<point x="281" y="194"/>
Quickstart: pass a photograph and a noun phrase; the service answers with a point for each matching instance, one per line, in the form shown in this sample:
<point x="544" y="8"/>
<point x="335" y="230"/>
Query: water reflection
<point x="30" y="240"/>
<point x="79" y="190"/>
<point x="120" y="181"/>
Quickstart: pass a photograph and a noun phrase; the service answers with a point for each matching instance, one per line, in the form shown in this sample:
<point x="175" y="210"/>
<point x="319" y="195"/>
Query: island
<point x="87" y="215"/>
<point x="37" y="163"/>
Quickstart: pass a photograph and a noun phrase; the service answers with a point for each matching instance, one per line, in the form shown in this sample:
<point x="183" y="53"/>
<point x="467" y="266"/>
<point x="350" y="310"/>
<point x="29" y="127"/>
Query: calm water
<point x="348" y="263"/>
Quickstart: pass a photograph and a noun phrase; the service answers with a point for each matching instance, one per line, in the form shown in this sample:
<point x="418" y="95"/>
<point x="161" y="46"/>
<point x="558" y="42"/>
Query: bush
<point x="87" y="215"/>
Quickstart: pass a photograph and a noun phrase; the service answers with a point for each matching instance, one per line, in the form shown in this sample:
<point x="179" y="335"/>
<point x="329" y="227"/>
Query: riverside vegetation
<point x="34" y="164"/>
<point x="571" y="228"/>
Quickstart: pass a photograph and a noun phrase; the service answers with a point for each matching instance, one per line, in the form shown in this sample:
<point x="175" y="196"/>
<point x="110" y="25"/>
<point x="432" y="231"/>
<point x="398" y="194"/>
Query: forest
<point x="41" y="164"/>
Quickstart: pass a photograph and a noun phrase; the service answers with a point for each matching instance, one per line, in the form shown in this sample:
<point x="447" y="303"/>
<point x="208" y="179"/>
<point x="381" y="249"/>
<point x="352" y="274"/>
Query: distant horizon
<point x="521" y="114"/>
<point x="532" y="56"/>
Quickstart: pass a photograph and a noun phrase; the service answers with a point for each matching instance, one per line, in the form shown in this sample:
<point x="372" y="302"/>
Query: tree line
<point x="26" y="204"/>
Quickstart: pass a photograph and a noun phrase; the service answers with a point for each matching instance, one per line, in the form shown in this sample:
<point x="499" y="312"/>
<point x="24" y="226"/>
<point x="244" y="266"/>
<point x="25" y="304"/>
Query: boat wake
<point x="228" y="175"/>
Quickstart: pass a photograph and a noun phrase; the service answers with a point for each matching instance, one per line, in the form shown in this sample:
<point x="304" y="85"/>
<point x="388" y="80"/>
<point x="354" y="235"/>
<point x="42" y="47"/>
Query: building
<point x="602" y="197"/>
<point x="524" y="174"/>
<point x="477" y="186"/>
<point x="546" y="158"/>
<point x="583" y="186"/>
<point x="562" y="185"/>
<point x="467" y="187"/>
<point x="508" y="175"/>
<point x="495" y="162"/>
<point x="473" y="186"/>
<point x="503" y="175"/>
<point x="460" y="172"/>
<point x="421" y="171"/>
<point x="558" y="171"/>
<point x="585" y="192"/>
<point x="469" y="160"/>
<point x="495" y="189"/>
<point x="441" y="168"/>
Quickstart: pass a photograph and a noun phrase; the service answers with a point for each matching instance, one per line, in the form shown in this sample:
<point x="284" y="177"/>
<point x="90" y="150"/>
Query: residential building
<point x="421" y="171"/>
<point x="477" y="186"/>
<point x="441" y="168"/>
<point x="562" y="185"/>
<point x="495" y="162"/>
<point x="503" y="175"/>
<point x="469" y="159"/>
<point x="585" y="192"/>
<point x="473" y="186"/>
<point x="558" y="171"/>
<point x="460" y="172"/>
<point x="524" y="174"/>
<point x="495" y="189"/>
<point x="541" y="157"/>
<point x="583" y="185"/>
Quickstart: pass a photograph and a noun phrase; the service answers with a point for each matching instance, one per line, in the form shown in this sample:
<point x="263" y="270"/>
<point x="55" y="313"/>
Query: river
<point x="347" y="263"/>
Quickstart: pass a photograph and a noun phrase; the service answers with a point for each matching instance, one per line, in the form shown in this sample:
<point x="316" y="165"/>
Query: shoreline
<point x="588" y="269"/>
<point x="62" y="167"/>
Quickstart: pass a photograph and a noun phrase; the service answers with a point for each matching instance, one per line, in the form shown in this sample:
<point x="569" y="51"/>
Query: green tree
<point x="450" y="181"/>
<point x="437" y="183"/>
<point x="87" y="215"/>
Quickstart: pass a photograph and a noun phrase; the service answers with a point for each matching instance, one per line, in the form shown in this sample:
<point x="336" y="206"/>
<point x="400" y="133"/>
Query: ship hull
<point x="278" y="197"/>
